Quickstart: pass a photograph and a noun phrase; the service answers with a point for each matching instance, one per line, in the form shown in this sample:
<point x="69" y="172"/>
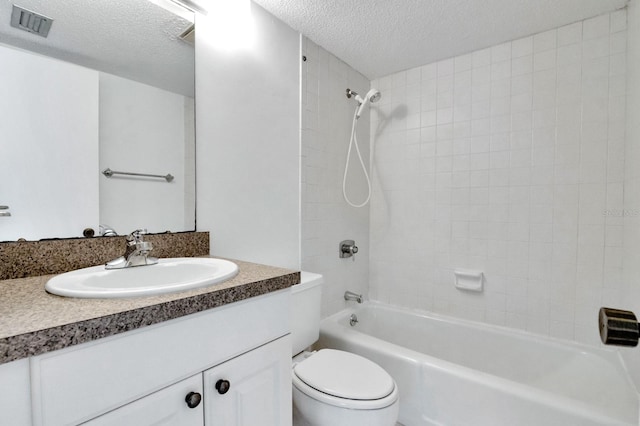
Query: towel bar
<point x="109" y="173"/>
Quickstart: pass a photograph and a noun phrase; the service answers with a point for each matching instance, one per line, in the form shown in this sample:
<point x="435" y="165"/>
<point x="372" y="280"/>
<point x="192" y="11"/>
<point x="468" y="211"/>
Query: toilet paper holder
<point x="618" y="327"/>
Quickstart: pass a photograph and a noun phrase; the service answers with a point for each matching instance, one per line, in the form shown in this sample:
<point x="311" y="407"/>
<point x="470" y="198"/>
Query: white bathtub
<point x="453" y="372"/>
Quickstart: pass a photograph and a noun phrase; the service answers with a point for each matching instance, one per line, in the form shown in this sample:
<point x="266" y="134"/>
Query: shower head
<point x="372" y="96"/>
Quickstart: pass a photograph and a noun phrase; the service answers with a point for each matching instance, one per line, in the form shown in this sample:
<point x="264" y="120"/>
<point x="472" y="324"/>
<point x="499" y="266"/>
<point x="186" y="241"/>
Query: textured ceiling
<point x="380" y="37"/>
<point x="135" y="39"/>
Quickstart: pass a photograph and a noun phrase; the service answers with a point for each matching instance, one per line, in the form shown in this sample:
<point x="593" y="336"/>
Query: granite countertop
<point x="34" y="322"/>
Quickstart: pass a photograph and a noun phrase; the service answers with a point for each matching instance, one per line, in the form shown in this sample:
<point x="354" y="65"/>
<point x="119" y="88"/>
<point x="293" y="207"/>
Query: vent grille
<point x="30" y="21"/>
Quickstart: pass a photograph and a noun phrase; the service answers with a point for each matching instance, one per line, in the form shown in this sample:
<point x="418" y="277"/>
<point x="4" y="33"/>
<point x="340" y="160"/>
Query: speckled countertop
<point x="33" y="321"/>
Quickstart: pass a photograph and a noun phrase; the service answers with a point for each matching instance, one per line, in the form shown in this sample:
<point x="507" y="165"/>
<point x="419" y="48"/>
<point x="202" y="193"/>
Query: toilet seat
<point x="345" y="380"/>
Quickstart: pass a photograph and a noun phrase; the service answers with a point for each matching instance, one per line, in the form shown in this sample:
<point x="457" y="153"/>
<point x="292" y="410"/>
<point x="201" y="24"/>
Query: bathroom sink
<point x="167" y="276"/>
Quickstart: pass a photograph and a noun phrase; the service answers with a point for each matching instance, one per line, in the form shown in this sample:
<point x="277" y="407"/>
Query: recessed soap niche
<point x="469" y="280"/>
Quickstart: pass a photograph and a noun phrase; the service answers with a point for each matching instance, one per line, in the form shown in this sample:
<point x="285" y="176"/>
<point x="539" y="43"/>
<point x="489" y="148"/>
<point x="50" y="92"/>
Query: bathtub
<point x="454" y="372"/>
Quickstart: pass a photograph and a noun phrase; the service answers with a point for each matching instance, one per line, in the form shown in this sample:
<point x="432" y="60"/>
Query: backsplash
<point x="33" y="258"/>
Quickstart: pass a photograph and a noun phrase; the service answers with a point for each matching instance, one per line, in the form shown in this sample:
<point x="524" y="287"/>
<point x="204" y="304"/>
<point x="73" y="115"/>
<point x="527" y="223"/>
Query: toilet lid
<point x="345" y="375"/>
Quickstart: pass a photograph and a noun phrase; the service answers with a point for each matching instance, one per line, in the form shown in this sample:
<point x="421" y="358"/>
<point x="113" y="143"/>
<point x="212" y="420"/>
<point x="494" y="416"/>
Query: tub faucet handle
<point x="347" y="248"/>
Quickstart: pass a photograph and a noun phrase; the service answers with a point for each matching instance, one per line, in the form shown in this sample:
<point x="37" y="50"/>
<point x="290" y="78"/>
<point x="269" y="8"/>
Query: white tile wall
<point x="506" y="160"/>
<point x="326" y="218"/>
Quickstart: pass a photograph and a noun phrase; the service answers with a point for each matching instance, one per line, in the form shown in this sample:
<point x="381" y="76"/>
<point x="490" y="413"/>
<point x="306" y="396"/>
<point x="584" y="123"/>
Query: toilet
<point x="331" y="387"/>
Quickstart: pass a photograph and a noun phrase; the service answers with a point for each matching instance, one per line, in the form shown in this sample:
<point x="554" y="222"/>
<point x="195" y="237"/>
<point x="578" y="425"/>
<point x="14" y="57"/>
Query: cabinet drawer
<point x="81" y="382"/>
<point x="166" y="407"/>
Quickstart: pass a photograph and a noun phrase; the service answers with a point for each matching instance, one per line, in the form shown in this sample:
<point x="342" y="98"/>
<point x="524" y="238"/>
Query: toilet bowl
<point x="336" y="388"/>
<point x="332" y="387"/>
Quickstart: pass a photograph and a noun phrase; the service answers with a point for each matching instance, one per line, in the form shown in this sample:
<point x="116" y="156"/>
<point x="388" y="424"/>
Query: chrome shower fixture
<point x="372" y="96"/>
<point x="351" y="93"/>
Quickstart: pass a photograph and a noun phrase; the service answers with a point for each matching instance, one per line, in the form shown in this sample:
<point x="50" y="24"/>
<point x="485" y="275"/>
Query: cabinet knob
<point x="223" y="386"/>
<point x="193" y="399"/>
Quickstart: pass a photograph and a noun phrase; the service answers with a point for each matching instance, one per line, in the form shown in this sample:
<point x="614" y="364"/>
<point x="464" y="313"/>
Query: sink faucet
<point x="136" y="254"/>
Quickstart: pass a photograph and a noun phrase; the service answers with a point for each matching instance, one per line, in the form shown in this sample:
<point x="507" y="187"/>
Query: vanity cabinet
<point x="251" y="389"/>
<point x="143" y="376"/>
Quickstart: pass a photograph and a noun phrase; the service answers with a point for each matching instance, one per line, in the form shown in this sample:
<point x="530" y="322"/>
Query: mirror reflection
<point x="110" y="85"/>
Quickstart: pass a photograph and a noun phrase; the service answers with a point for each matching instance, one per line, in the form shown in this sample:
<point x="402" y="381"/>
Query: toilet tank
<point x="305" y="311"/>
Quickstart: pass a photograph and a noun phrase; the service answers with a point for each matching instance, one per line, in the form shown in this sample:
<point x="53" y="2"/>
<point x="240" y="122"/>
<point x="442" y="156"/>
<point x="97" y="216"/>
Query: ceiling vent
<point x="30" y="21"/>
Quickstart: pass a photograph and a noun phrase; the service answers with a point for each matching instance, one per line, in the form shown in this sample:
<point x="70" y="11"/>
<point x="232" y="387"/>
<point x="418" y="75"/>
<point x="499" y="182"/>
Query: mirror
<point x="111" y="86"/>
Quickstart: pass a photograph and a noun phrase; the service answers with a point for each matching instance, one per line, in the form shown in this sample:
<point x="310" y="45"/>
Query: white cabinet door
<point x="15" y="396"/>
<point x="251" y="389"/>
<point x="166" y="407"/>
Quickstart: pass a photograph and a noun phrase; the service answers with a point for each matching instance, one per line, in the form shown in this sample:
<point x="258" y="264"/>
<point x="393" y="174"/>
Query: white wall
<point x="189" y="164"/>
<point x="506" y="160"/>
<point x="142" y="130"/>
<point x="326" y="218"/>
<point x="248" y="150"/>
<point x="631" y="214"/>
<point x="48" y="147"/>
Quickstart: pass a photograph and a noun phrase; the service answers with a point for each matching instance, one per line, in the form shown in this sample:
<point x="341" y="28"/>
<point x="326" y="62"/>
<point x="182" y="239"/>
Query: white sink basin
<point x="167" y="276"/>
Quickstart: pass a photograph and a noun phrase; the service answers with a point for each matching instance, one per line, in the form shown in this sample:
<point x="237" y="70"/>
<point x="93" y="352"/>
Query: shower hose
<point x="354" y="141"/>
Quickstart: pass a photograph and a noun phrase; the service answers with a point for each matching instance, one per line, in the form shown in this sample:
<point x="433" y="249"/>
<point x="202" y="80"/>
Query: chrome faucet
<point x="347" y="248"/>
<point x="136" y="254"/>
<point x="349" y="295"/>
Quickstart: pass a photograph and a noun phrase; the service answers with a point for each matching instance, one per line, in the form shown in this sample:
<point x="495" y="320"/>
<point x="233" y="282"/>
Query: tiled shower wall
<point x="508" y="160"/>
<point x="326" y="117"/>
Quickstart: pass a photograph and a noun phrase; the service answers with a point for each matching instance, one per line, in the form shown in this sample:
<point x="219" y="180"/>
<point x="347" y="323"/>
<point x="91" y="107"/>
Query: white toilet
<point x="331" y="387"/>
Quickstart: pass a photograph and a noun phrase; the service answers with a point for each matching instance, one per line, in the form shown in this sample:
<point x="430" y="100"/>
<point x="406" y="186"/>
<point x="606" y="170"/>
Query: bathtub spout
<point x="349" y="295"/>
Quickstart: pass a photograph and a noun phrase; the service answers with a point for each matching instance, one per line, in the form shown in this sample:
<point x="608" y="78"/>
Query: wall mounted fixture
<point x="350" y="295"/>
<point x="109" y="173"/>
<point x="4" y="211"/>
<point x="469" y="280"/>
<point x="347" y="248"/>
<point x="372" y="96"/>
